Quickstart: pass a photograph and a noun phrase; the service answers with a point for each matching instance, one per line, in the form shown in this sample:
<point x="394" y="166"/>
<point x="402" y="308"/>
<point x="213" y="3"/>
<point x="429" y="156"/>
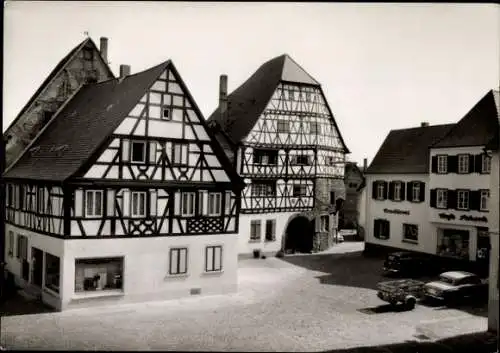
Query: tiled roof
<point x="478" y="127"/>
<point x="54" y="73"/>
<point x="80" y="128"/>
<point x="406" y="151"/>
<point x="248" y="101"/>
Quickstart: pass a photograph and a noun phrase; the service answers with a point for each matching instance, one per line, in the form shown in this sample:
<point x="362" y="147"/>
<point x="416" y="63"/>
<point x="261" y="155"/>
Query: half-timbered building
<point x="85" y="63"/>
<point x="285" y="143"/>
<point x="125" y="195"/>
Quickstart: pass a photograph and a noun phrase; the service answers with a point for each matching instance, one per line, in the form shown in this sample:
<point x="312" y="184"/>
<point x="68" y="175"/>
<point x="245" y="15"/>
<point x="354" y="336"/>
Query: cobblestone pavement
<point x="299" y="303"/>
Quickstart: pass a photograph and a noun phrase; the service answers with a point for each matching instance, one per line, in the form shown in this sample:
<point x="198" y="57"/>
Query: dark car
<point x="408" y="264"/>
<point x="455" y="286"/>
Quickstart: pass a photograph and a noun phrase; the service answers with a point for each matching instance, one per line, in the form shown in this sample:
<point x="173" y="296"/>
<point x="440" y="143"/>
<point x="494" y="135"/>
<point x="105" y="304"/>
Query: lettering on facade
<point x="396" y="211"/>
<point x="447" y="216"/>
<point x="472" y="218"/>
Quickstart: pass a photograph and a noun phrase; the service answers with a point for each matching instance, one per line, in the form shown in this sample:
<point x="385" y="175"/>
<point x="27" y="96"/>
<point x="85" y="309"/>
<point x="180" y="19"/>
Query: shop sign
<point x="396" y="211"/>
<point x="447" y="216"/>
<point x="474" y="219"/>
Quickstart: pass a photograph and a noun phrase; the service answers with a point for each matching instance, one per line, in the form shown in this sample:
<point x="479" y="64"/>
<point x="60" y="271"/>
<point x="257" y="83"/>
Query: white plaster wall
<point x="145" y="273"/>
<point x="245" y="246"/>
<point x="494" y="227"/>
<point x="362" y="207"/>
<point x="418" y="215"/>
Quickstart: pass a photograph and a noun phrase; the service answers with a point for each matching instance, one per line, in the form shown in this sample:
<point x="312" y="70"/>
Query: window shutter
<point x="387" y="229"/>
<point x="433" y="198"/>
<point x="228" y="203"/>
<point x="177" y="203"/>
<point x="434" y="164"/>
<point x="422" y="191"/>
<point x="403" y="191"/>
<point x="471" y="163"/>
<point x="374" y="190"/>
<point x="478" y="163"/>
<point x="79" y="205"/>
<point x="125" y="150"/>
<point x="126" y="203"/>
<point x="474" y="200"/>
<point x="152" y="151"/>
<point x="452" y="164"/>
<point x="385" y="189"/>
<point x="409" y="191"/>
<point x="376" y="228"/>
<point x="390" y="194"/>
<point x="153" y="205"/>
<point x="452" y="199"/>
<point x="205" y="203"/>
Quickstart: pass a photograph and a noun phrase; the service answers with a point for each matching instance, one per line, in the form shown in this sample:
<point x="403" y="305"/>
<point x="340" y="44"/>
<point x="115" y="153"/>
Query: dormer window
<point x="138" y="151"/>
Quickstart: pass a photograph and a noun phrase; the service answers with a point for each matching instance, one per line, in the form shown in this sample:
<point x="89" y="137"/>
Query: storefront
<point x="453" y="243"/>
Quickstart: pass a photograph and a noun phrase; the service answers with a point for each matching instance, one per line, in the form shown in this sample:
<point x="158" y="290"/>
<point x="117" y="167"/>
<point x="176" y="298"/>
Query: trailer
<point x="406" y="291"/>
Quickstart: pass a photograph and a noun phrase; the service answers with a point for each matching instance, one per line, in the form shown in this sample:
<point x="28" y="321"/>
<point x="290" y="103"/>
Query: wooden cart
<point x="406" y="291"/>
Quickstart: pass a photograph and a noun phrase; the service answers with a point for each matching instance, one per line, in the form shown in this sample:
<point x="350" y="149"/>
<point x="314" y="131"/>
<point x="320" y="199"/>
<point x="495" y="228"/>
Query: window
<point x="330" y="160"/>
<point x="93" y="203"/>
<point x="22" y="247"/>
<point x="332" y="198"/>
<point x="138" y="204"/>
<point x="178" y="261"/>
<point x="254" y="230"/>
<point x="415" y="189"/>
<point x="324" y="223"/>
<point x="40" y="200"/>
<point x="11" y="243"/>
<point x="485" y="196"/>
<point x="265" y="156"/>
<point x="263" y="189"/>
<point x="463" y="200"/>
<point x="283" y="126"/>
<point x="410" y="232"/>
<point x="300" y="159"/>
<point x="270" y="230"/>
<point x="299" y="190"/>
<point x="180" y="156"/>
<point x="380" y="191"/>
<point x="442" y="164"/>
<point x="453" y="243"/>
<point x="441" y="198"/>
<point x="187" y="207"/>
<point x="486" y="164"/>
<point x="397" y="191"/>
<point x="98" y="274"/>
<point x="214" y="203"/>
<point x="291" y="94"/>
<point x="314" y="128"/>
<point x="87" y="54"/>
<point x="213" y="259"/>
<point x="308" y="96"/>
<point x="138" y="151"/>
<point x="166" y="114"/>
<point x="463" y="163"/>
<point x="10" y="193"/>
<point x="52" y="270"/>
<point x="381" y="229"/>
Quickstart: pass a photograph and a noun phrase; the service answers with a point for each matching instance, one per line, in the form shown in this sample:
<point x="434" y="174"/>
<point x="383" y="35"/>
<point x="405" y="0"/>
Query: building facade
<point x="287" y="147"/>
<point x="354" y="182"/>
<point x="125" y="196"/>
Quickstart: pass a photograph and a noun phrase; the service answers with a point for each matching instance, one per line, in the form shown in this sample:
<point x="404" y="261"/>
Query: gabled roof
<point x="59" y="67"/>
<point x="77" y="131"/>
<point x="406" y="151"/>
<point x="248" y="101"/>
<point x="478" y="127"/>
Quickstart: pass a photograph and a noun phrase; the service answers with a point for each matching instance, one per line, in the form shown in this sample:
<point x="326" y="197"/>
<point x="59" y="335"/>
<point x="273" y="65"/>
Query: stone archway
<point x="299" y="235"/>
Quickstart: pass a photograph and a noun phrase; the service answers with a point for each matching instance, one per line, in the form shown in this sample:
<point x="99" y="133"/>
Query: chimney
<point x="365" y="164"/>
<point x="223" y="96"/>
<point x="124" y="71"/>
<point x="104" y="49"/>
<point x="424" y="124"/>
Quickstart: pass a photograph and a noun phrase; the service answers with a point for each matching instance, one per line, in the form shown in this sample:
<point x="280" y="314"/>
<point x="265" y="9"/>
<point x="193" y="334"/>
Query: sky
<point x="381" y="66"/>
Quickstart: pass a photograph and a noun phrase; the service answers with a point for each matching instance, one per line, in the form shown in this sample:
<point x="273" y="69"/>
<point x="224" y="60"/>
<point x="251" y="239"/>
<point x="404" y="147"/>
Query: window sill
<point x="484" y="211"/>
<point x="51" y="292"/>
<point x="253" y="241"/>
<point x="382" y="238"/>
<point x="269" y="240"/>
<point x="415" y="242"/>
<point x="213" y="273"/>
<point x="98" y="294"/>
<point x="178" y="276"/>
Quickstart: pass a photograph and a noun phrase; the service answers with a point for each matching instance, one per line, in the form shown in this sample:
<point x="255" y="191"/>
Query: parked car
<point x="406" y="291"/>
<point x="406" y="263"/>
<point x="454" y="286"/>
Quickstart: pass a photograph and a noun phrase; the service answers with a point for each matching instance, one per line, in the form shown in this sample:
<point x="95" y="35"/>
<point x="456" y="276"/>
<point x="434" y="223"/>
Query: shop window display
<point x="453" y="243"/>
<point x="98" y="274"/>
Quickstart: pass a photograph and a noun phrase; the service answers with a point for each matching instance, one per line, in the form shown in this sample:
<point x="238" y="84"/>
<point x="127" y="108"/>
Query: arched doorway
<point x="299" y="235"/>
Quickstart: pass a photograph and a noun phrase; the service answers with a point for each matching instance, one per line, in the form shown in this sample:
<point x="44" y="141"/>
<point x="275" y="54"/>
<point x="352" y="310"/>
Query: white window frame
<point x="181" y="257"/>
<point x="462" y="199"/>
<point x="441" y="198"/>
<point x="485" y="196"/>
<point x="255" y="224"/>
<point x="291" y="94"/>
<point x="415" y="189"/>
<point x="212" y="267"/>
<point x="181" y="154"/>
<point x="380" y="191"/>
<point x="407" y="225"/>
<point x="397" y="187"/>
<point x="93" y="212"/>
<point x="324" y="222"/>
<point x="136" y="195"/>
<point x="132" y="151"/>
<point x="463" y="163"/>
<point x="486" y="164"/>
<point x="284" y="123"/>
<point x="442" y="164"/>
<point x="188" y="199"/>
<point x="271" y="235"/>
<point x="214" y="204"/>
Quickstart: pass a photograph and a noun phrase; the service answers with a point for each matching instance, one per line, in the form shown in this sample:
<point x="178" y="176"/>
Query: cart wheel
<point x="410" y="303"/>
